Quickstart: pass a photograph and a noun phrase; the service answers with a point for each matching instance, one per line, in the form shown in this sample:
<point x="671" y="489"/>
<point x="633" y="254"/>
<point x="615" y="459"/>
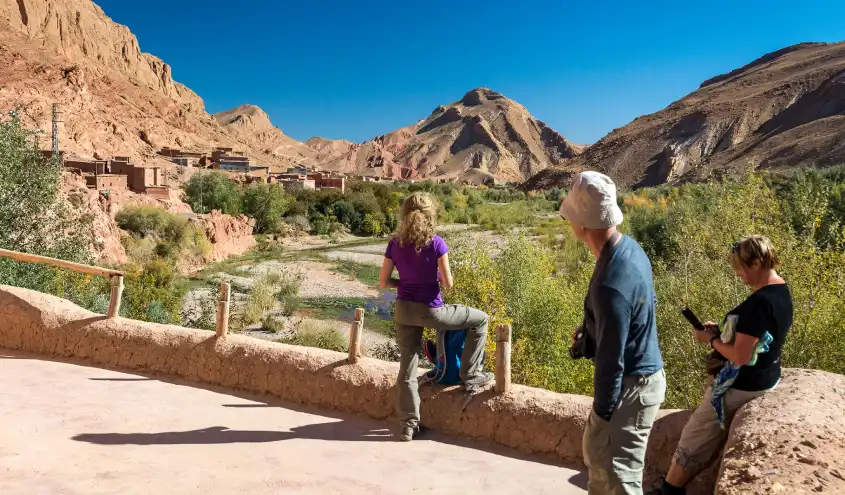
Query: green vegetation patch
<point x="364" y="273"/>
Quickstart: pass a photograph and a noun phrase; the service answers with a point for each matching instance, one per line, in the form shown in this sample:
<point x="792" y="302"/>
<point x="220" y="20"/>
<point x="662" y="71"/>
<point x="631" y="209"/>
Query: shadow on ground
<point x="337" y="431"/>
<point x="346" y="427"/>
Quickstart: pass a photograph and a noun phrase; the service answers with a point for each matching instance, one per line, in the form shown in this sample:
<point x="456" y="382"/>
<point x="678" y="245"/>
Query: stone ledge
<point x="529" y="419"/>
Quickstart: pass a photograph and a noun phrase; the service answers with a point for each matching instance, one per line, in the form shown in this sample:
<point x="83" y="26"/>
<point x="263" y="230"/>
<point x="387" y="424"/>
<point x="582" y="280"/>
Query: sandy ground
<point x="376" y="248"/>
<point x="68" y="429"/>
<point x="306" y="242"/>
<point x="358" y="257"/>
<point x="319" y="280"/>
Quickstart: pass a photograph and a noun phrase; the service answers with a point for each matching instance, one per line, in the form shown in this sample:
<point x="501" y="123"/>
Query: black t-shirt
<point x="767" y="310"/>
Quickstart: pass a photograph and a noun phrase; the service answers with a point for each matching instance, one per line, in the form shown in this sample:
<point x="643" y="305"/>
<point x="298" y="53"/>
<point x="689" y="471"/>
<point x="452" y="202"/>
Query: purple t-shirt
<point x="418" y="276"/>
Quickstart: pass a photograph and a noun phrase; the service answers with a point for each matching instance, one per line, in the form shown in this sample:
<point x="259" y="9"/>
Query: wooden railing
<point x="115" y="276"/>
<point x="503" y="332"/>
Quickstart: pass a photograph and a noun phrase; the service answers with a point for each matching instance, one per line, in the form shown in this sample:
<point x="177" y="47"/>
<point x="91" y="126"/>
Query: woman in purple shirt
<point x="422" y="260"/>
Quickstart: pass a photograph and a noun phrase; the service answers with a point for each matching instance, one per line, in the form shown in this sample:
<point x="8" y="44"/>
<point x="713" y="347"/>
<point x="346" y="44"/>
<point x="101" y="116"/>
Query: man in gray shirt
<point x="620" y="336"/>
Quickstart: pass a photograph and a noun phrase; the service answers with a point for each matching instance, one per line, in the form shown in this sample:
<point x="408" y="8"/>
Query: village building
<point x="181" y="157"/>
<point x="324" y="180"/>
<point x="119" y="174"/>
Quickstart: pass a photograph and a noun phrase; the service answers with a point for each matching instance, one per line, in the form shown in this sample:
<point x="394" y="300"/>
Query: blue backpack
<point x="446" y="356"/>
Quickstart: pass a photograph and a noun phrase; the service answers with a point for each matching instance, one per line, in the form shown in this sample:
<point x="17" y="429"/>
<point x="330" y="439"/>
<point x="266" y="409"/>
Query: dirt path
<point x="68" y="429"/>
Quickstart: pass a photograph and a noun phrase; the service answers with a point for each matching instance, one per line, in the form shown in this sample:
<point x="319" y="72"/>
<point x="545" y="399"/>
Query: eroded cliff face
<point x="229" y="235"/>
<point x="106" y="245"/>
<point x="80" y="31"/>
<point x="114" y="99"/>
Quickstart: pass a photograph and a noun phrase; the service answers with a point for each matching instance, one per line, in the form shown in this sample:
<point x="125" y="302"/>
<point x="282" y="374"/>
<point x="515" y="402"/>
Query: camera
<point x="579" y="347"/>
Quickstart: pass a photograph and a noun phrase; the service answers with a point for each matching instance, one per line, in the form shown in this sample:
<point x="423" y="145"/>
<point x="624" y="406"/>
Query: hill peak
<point x="479" y="96"/>
<point x="247" y="116"/>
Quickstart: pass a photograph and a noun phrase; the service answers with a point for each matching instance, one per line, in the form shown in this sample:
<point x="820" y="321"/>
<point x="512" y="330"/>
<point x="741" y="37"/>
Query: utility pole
<point x="202" y="210"/>
<point x="56" y="115"/>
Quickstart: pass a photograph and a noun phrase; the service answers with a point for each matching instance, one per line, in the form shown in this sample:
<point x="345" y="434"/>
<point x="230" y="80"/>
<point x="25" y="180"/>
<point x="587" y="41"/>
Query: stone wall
<point x="529" y="419"/>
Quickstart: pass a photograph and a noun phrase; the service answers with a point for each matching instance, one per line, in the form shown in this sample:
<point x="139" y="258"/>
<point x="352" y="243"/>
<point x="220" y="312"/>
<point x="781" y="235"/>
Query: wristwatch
<point x="711" y="341"/>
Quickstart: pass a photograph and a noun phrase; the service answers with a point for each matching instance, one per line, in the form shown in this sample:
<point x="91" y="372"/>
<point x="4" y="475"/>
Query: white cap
<point x="591" y="202"/>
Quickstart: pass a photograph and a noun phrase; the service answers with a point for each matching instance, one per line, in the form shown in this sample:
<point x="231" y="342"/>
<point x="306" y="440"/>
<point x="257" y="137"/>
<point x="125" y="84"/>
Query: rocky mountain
<point x="114" y="99"/>
<point x="251" y="124"/>
<point x="480" y="138"/>
<point x="785" y="109"/>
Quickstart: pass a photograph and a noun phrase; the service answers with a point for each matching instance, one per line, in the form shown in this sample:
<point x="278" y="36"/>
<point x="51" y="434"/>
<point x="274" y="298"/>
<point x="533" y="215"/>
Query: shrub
<point x="387" y="350"/>
<point x="143" y="220"/>
<point x="159" y="233"/>
<point x="289" y="282"/>
<point x="267" y="204"/>
<point x="212" y="191"/>
<point x="261" y="298"/>
<point x="299" y="222"/>
<point x="317" y="333"/>
<point x="272" y="323"/>
<point x="290" y="304"/>
<point x="152" y="293"/>
<point x="205" y="317"/>
<point x="319" y="225"/>
<point x="346" y="214"/>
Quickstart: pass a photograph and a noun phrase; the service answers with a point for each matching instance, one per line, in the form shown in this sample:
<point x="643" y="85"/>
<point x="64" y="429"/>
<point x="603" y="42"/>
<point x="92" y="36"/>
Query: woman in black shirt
<point x="747" y="365"/>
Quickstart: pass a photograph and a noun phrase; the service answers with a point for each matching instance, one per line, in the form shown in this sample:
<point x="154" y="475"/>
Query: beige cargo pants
<point x="614" y="451"/>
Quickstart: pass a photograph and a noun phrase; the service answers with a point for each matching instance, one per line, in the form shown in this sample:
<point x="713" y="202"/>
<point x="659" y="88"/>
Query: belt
<point x="642" y="379"/>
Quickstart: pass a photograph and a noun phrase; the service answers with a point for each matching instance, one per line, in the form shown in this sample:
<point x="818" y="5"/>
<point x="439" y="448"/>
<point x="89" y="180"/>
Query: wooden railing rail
<point x="115" y="276"/>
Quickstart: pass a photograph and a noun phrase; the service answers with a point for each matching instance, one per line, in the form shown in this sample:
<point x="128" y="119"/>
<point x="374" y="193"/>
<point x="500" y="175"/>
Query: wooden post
<point x="116" y="296"/>
<point x="355" y="333"/>
<point x="223" y="309"/>
<point x="503" y="359"/>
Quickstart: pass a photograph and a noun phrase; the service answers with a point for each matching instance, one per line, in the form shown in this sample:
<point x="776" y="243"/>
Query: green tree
<point x="34" y="217"/>
<point x="267" y="204"/>
<point x="212" y="191"/>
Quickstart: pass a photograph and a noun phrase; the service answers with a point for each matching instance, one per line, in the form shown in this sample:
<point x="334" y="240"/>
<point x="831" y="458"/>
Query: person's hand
<point x="704" y="336"/>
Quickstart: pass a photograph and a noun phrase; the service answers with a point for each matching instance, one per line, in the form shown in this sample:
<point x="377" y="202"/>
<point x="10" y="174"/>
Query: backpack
<point x="446" y="356"/>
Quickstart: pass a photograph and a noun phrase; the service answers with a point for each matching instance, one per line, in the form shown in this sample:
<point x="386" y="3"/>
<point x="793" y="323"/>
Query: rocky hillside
<point x="115" y="99"/>
<point x="785" y="109"/>
<point x="480" y="138"/>
<point x="251" y="124"/>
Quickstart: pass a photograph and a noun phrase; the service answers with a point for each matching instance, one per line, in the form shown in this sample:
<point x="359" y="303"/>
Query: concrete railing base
<point x="528" y="419"/>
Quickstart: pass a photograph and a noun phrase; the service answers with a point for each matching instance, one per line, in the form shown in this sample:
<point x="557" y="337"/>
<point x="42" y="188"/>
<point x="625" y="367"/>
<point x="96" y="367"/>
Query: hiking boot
<point x="408" y="433"/>
<point x="475" y="384"/>
<point x="664" y="488"/>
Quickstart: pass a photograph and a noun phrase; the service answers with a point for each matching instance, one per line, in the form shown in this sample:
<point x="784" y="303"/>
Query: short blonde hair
<point x="417" y="221"/>
<point x="754" y="249"/>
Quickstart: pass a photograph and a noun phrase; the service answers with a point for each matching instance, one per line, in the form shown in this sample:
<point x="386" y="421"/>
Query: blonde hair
<point x="754" y="249"/>
<point x="417" y="221"/>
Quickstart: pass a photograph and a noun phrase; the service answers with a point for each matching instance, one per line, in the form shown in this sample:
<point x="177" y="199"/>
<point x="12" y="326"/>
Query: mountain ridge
<point x="785" y="109"/>
<point x="483" y="137"/>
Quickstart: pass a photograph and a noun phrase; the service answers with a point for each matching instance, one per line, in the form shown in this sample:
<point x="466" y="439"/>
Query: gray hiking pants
<point x="614" y="451"/>
<point x="410" y="318"/>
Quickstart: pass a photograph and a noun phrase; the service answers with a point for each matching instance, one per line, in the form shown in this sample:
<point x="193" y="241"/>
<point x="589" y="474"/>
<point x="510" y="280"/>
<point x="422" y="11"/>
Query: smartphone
<point x="690" y="316"/>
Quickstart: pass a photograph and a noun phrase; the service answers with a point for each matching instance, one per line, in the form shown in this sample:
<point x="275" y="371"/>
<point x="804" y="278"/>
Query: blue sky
<point x="356" y="69"/>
